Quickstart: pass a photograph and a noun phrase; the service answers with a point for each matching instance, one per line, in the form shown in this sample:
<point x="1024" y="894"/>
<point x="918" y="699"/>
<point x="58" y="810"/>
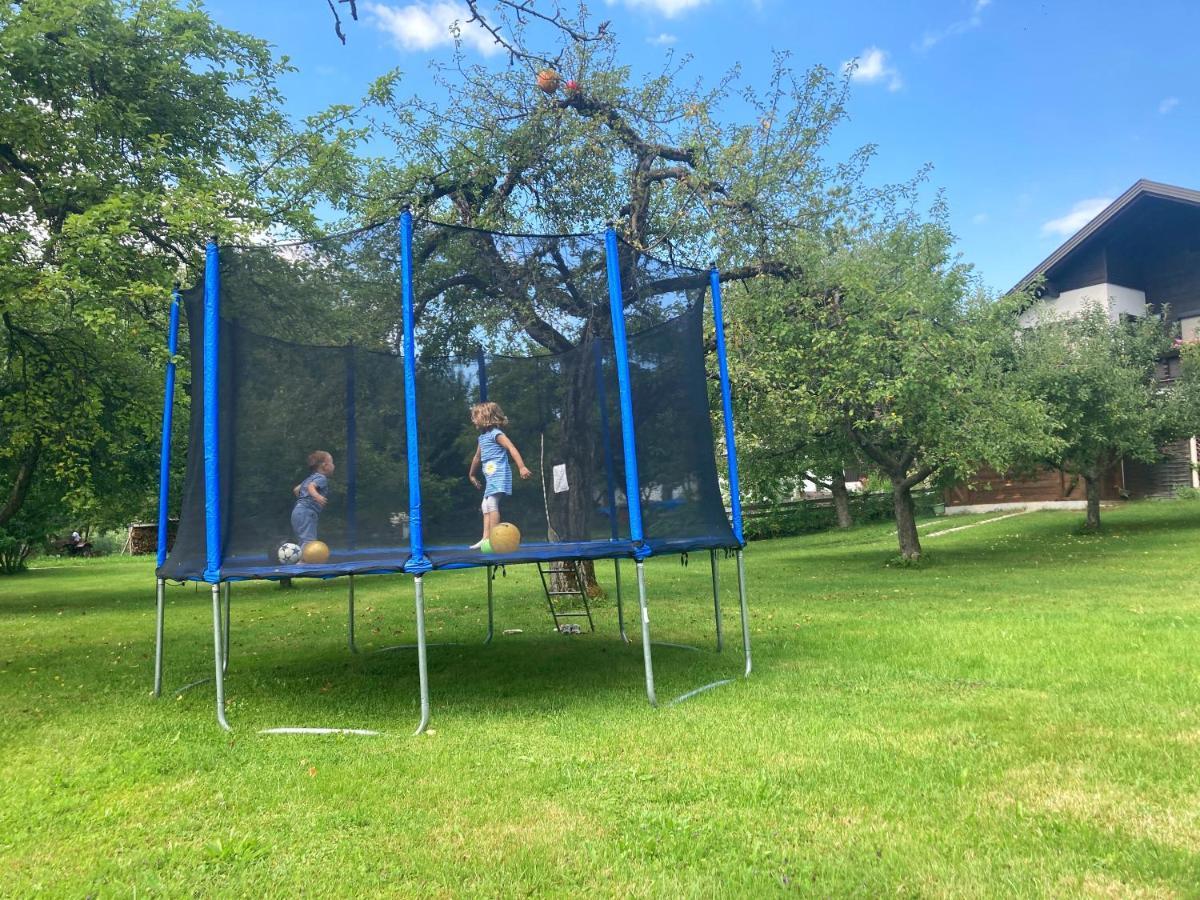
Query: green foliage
<point x="106" y="543"/>
<point x="26" y="532"/>
<point x="884" y="349"/>
<point x="1098" y="378"/>
<point x="683" y="180"/>
<point x="15" y="549"/>
<point x="659" y="154"/>
<point x="807" y="516"/>
<point x="900" y="561"/>
<point x="132" y="131"/>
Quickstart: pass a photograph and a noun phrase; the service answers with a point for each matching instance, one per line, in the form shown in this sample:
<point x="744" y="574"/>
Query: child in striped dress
<point x="492" y="457"/>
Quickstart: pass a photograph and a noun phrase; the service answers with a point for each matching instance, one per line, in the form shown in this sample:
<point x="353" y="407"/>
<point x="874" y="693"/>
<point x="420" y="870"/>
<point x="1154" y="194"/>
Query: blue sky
<point x="1033" y="114"/>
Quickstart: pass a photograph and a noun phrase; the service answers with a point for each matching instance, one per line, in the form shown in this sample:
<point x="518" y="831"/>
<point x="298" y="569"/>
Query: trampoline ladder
<point x="566" y="572"/>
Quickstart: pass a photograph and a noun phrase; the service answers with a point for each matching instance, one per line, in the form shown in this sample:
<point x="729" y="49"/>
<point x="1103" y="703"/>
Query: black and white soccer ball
<point x="289" y="553"/>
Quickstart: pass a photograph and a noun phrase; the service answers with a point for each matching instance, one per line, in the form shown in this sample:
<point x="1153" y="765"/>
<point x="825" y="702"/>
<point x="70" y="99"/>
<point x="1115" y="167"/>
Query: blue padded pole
<point x="609" y="474"/>
<point x="617" y="309"/>
<point x="481" y="361"/>
<point x="164" y="465"/>
<point x="735" y="497"/>
<point x="212" y="467"/>
<point x="632" y="482"/>
<point x="351" y="450"/>
<point x="417" y="563"/>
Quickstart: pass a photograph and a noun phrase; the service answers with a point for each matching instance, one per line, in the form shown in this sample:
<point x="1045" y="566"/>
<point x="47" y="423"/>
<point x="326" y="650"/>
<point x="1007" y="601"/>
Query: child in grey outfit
<point x="311" y="496"/>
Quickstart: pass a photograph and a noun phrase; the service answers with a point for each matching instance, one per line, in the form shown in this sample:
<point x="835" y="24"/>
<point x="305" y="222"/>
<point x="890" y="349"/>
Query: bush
<point x="26" y="532"/>
<point x="109" y="542"/>
<point x="807" y="516"/>
<point x="15" y="549"/>
<point x="1187" y="493"/>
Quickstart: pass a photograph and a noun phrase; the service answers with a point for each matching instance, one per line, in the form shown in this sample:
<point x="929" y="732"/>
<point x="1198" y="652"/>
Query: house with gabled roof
<point x="1142" y="250"/>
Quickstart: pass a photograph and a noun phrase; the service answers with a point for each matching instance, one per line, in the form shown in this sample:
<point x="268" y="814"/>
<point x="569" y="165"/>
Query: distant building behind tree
<point x="1142" y="250"/>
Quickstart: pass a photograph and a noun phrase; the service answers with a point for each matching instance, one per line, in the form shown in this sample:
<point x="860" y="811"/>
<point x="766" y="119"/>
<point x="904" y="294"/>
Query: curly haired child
<point x="492" y="456"/>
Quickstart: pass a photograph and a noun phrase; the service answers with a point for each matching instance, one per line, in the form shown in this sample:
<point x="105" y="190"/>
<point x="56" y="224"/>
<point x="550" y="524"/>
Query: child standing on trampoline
<point x="492" y="456"/>
<point x="311" y="496"/>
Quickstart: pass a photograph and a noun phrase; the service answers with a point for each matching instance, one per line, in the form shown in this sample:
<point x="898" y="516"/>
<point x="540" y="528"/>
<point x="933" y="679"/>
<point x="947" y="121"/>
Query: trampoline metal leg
<point x="641" y="579"/>
<point x="741" y="571"/>
<point x="159" y="604"/>
<point x="219" y="657"/>
<point x="620" y="607"/>
<point x="350" y="618"/>
<point x="712" y="557"/>
<point x="422" y="663"/>
<point x="491" y="615"/>
<point x="225" y="636"/>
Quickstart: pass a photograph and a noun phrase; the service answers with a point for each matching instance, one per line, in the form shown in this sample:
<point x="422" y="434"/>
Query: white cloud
<point x="662" y="40"/>
<point x="980" y="219"/>
<point x="423" y="26"/>
<point x="872" y="67"/>
<point x="1081" y="213"/>
<point x="668" y="8"/>
<point x="962" y="26"/>
<point x="1168" y="104"/>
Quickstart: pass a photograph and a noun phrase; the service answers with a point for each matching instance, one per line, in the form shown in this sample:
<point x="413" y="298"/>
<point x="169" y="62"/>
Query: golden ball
<point x="315" y="552"/>
<point x="505" y="538"/>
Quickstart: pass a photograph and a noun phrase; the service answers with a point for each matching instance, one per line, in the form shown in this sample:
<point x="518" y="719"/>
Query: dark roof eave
<point x="1142" y="188"/>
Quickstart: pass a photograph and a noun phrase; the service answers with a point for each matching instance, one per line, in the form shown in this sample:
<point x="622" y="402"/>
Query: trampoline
<point x="594" y="349"/>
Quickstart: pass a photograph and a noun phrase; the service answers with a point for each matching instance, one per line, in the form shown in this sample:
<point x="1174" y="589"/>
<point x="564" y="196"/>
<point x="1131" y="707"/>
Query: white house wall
<point x="1117" y="298"/>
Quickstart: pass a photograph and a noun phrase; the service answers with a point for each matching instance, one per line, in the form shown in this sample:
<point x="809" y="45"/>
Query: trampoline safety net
<point x="310" y="357"/>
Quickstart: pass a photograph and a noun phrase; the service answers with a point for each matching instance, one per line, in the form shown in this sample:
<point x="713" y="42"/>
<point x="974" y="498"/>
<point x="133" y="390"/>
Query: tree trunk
<point x="841" y="499"/>
<point x="16" y="496"/>
<point x="565" y="580"/>
<point x="1093" y="503"/>
<point x="906" y="520"/>
<point x="591" y="586"/>
<point x="569" y="519"/>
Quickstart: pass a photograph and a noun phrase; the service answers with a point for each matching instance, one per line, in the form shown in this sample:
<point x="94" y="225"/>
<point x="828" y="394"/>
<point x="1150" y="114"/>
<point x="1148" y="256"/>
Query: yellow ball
<point x="505" y="538"/>
<point x="315" y="552"/>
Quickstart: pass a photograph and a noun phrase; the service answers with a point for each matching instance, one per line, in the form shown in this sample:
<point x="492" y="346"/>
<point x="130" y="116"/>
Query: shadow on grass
<point x="83" y="590"/>
<point x="301" y="670"/>
<point x="522" y="678"/>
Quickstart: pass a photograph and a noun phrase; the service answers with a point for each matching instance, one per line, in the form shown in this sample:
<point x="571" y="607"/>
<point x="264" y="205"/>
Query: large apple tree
<point x="1100" y="381"/>
<point x="884" y="347"/>
<point x="129" y="133"/>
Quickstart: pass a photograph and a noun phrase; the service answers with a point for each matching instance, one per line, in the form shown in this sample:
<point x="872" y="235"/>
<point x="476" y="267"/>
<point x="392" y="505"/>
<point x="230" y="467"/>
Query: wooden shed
<point x="143" y="536"/>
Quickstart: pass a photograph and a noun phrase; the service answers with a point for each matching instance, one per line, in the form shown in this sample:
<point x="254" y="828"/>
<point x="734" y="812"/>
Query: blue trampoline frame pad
<point x="392" y="560"/>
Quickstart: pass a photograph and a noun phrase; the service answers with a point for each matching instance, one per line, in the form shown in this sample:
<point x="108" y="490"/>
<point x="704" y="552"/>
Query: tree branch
<point x="698" y="280"/>
<point x="513" y="292"/>
<point x="870" y="450"/>
<point x="595" y="109"/>
<point x="524" y="9"/>
<point x="918" y="476"/>
<point x="337" y="21"/>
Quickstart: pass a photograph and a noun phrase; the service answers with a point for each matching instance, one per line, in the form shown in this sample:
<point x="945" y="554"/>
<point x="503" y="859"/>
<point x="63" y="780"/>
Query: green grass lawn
<point x="1019" y="716"/>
